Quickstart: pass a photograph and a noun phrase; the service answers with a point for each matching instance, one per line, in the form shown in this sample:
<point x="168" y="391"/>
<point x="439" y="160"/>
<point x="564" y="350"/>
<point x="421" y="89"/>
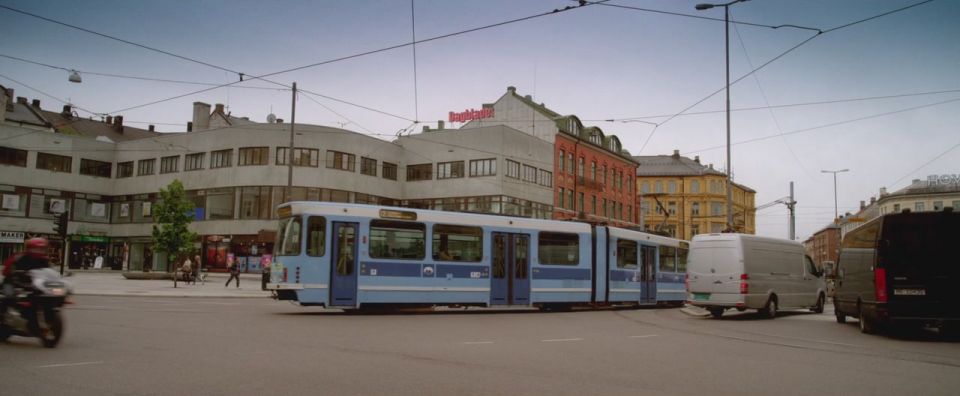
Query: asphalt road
<point x="176" y="346"/>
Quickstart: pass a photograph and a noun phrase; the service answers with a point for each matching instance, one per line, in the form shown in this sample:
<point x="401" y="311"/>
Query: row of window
<point x="404" y="240"/>
<point x="671" y="258"/>
<point x="715" y="187"/>
<point x="607" y="208"/>
<point x="922" y="206"/>
<point x="478" y="168"/>
<point x="618" y="180"/>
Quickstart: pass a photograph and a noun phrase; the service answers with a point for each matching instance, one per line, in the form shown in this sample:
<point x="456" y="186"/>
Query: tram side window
<point x="457" y="243"/>
<point x="668" y="259"/>
<point x="288" y="237"/>
<point x="626" y="254"/>
<point x="316" y="236"/>
<point x="682" y="259"/>
<point x="397" y="239"/>
<point x="559" y="248"/>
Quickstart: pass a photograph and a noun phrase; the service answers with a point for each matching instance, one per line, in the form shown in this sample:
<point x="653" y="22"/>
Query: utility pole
<point x="791" y="205"/>
<point x="293" y="119"/>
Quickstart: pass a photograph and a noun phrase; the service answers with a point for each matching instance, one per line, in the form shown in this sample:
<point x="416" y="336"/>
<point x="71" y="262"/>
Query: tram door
<point x="648" y="274"/>
<point x="510" y="273"/>
<point x="343" y="268"/>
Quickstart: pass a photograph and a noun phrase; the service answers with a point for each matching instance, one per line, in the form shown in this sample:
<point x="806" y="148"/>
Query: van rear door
<point x="714" y="267"/>
<point x="919" y="254"/>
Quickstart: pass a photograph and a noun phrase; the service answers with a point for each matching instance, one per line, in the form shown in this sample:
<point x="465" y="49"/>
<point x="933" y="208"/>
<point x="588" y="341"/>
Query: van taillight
<point x="880" y="284"/>
<point x="744" y="287"/>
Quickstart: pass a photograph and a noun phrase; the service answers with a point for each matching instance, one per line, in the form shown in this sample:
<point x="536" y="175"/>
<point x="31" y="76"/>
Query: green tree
<point x="172" y="214"/>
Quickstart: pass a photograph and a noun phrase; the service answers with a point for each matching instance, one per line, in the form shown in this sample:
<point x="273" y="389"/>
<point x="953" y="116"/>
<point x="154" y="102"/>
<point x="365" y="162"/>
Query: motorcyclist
<point x="16" y="270"/>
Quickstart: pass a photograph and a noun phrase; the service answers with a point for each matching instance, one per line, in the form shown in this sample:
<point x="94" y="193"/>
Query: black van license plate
<point x="909" y="292"/>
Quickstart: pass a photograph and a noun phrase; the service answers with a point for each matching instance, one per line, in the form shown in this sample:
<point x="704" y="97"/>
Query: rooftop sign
<point x="943" y="179"/>
<point x="469" y="115"/>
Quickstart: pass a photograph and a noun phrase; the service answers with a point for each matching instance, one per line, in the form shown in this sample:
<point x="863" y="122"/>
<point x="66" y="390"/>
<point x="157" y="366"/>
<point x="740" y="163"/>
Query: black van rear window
<point x="921" y="242"/>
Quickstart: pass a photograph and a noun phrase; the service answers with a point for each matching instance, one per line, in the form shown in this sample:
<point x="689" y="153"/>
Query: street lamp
<point x="835" y="213"/>
<point x="726" y="22"/>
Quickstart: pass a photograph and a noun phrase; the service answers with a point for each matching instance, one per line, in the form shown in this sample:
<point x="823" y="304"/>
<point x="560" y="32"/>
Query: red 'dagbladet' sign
<point x="471" y="114"/>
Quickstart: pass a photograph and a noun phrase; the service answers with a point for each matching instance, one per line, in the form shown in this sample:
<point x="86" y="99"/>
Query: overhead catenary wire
<point x="832" y="124"/>
<point x="954" y="147"/>
<point x="781" y="55"/>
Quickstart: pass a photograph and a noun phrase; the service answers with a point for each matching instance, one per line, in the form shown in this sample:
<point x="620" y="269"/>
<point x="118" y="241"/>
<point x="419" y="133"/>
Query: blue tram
<point x="357" y="256"/>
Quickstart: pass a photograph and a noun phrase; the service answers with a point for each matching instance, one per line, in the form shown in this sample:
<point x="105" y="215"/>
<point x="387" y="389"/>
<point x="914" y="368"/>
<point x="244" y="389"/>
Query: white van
<point x="750" y="272"/>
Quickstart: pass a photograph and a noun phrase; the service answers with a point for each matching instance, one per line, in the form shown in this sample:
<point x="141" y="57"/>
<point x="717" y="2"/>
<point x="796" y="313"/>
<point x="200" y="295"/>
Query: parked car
<point x="901" y="269"/>
<point x="743" y="272"/>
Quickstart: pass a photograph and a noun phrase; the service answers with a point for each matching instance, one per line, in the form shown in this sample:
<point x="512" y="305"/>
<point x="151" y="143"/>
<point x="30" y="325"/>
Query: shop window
<point x="13" y="203"/>
<point x="219" y="204"/>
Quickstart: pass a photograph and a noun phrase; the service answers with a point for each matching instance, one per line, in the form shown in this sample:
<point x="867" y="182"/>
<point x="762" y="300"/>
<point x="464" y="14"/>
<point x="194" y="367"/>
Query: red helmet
<point x="37" y="247"/>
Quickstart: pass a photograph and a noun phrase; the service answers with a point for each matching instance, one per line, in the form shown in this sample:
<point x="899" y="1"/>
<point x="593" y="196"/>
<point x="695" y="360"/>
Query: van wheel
<point x="770" y="309"/>
<point x="866" y="325"/>
<point x="819" y="307"/>
<point x="716" y="311"/>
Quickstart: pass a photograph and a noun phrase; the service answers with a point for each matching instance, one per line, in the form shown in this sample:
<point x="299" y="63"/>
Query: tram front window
<point x="288" y="237"/>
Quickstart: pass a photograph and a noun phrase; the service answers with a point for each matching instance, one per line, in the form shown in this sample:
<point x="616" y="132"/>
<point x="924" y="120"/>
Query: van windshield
<point x="920" y="244"/>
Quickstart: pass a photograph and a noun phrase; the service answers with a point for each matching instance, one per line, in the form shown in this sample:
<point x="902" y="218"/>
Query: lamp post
<point x="726" y="22"/>
<point x="293" y="119"/>
<point x="835" y="212"/>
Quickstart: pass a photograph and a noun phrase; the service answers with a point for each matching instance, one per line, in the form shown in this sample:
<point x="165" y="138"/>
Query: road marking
<point x="563" y="340"/>
<point x="644" y="336"/>
<point x="69" y="364"/>
<point x="477" y="342"/>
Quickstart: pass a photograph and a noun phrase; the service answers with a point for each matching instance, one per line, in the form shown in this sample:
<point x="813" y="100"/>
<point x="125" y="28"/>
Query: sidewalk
<point x="114" y="284"/>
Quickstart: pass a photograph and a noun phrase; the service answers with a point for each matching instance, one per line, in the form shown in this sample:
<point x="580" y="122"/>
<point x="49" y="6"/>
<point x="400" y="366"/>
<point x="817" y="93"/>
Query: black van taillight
<point x="744" y="287"/>
<point x="880" y="284"/>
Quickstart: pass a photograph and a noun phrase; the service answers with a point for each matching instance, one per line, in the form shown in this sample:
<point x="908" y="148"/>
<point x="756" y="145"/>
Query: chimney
<point x="873" y="200"/>
<point x="118" y="123"/>
<point x="189" y="126"/>
<point x="8" y="99"/>
<point x="528" y="97"/>
<point x="512" y="89"/>
<point x="21" y="100"/>
<point x="279" y="120"/>
<point x="439" y="124"/>
<point x="36" y="103"/>
<point x="696" y="159"/>
<point x="883" y="192"/>
<point x="218" y="108"/>
<point x="67" y="111"/>
<point x="3" y="106"/>
<point x="863" y="205"/>
<point x="150" y="128"/>
<point x="676" y="154"/>
<point x="201" y="116"/>
<point x="109" y="120"/>
<point x="426" y="128"/>
<point x="711" y="166"/>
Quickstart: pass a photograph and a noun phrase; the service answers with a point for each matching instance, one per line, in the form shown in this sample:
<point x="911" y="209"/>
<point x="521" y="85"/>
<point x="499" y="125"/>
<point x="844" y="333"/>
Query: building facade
<point x="936" y="193"/>
<point x="824" y="245"/>
<point x="591" y="170"/>
<point x="682" y="197"/>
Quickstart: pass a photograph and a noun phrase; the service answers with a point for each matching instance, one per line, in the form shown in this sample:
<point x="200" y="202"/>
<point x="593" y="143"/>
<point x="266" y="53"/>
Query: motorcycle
<point x="35" y="311"/>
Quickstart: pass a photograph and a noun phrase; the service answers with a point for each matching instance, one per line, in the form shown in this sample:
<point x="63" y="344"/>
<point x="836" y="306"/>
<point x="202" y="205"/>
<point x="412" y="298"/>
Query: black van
<point x="901" y="269"/>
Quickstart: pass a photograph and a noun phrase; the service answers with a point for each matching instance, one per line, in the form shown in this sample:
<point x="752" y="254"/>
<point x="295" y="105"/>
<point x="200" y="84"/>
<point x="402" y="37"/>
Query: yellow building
<point x="692" y="197"/>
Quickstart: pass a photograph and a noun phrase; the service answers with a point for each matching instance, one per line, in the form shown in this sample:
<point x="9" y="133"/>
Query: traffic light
<point x="60" y="223"/>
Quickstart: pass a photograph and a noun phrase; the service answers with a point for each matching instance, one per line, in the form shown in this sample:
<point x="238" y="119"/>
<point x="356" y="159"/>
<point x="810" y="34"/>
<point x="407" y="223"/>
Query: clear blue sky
<point x="598" y="62"/>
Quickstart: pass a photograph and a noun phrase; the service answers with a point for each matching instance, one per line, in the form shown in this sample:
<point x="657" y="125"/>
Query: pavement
<point x="114" y="284"/>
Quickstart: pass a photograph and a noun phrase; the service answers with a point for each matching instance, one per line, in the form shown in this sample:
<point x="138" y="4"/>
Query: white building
<point x="235" y="170"/>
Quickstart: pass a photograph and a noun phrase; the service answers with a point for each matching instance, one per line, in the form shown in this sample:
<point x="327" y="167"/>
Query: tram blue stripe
<point x="368" y="268"/>
<point x="417" y="270"/>
<point x="623" y="276"/>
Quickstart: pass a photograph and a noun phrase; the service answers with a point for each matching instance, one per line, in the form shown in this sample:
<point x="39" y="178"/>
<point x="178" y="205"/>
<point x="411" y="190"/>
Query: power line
<point x="766" y="101"/>
<point x="50" y="96"/>
<point x="787" y="52"/>
<point x="827" y="125"/>
<point x="926" y="163"/>
<point x="701" y="17"/>
<point x="833" y="101"/>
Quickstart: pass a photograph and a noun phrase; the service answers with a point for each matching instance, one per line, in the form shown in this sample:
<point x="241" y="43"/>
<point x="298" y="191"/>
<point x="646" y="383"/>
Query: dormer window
<point x="572" y="126"/>
<point x="596" y="138"/>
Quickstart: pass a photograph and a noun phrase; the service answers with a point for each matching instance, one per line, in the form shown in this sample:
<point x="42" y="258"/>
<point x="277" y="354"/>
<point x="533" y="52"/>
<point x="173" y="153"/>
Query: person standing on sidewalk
<point x="265" y="277"/>
<point x="234" y="274"/>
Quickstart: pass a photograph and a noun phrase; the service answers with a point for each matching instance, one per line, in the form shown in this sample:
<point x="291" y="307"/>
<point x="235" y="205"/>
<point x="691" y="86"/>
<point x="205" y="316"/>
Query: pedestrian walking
<point x="234" y="274"/>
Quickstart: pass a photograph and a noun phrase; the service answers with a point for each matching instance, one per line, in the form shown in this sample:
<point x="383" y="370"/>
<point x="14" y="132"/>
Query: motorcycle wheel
<point x="51" y="328"/>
